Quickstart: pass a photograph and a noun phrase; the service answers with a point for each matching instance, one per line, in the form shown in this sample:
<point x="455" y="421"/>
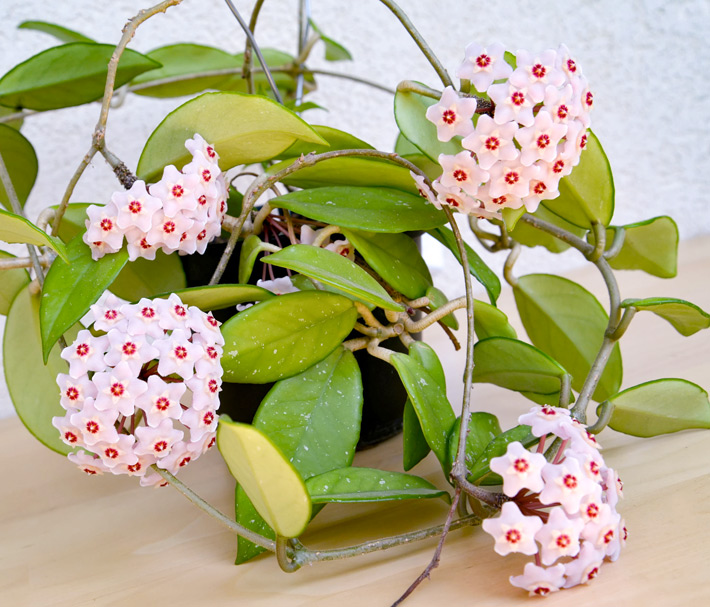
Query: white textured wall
<point x="647" y="62"/>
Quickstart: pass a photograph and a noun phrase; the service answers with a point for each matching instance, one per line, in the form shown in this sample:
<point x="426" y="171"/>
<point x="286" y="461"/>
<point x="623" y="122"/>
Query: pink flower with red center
<point x="178" y="354"/>
<point x="85" y="354"/>
<point x="161" y="400"/>
<point x="74" y="391"/>
<point x="559" y="536"/>
<point x="157" y="441"/>
<point x="118" y="388"/>
<point x="88" y="463"/>
<point x="539" y="141"/>
<point x="461" y="171"/>
<point x="584" y="567"/>
<point x="492" y="142"/>
<point x="536" y="72"/>
<point x="135" y="207"/>
<point x="512" y="104"/>
<point x="567" y="484"/>
<point x="539" y="581"/>
<point x="511" y="178"/>
<point x="452" y="115"/>
<point x="177" y="190"/>
<point x="133" y="349"/>
<point x="200" y="422"/>
<point x="207" y="171"/>
<point x="520" y="469"/>
<point x="484" y="65"/>
<point x="101" y="226"/>
<point x="513" y="531"/>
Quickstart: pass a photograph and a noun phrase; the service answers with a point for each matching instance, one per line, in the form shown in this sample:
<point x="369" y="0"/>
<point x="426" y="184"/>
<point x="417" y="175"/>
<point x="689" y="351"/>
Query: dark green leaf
<point x="659" y="407"/>
<point x="336" y="140"/>
<point x="69" y="289"/>
<point x="480" y="472"/>
<point x="21" y="163"/>
<point x="686" y="318"/>
<point x="14" y="228"/>
<point x="284" y="335"/>
<point x="352" y="485"/>
<point x="479" y="270"/>
<point x="243" y="129"/>
<point x="68" y="75"/>
<point x="218" y="297"/>
<point x="60" y="32"/>
<point x="362" y="208"/>
<point x="482" y="429"/>
<point x="73" y="220"/>
<point x="567" y="322"/>
<point x="13" y="281"/>
<point x="489" y="321"/>
<point x="651" y="246"/>
<point x="333" y="269"/>
<point x="395" y="258"/>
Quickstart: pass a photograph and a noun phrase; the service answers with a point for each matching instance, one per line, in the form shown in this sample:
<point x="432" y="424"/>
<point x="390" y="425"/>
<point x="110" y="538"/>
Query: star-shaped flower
<point x="462" y="171"/>
<point x="520" y="469"/>
<point x="513" y="531"/>
<point x="559" y="536"/>
<point x="484" y="65"/>
<point x="452" y="115"/>
<point x="539" y="581"/>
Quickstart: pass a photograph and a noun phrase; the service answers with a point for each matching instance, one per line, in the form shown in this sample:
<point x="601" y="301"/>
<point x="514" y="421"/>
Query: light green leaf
<point x="529" y="236"/>
<point x="219" y="297"/>
<point x="13" y="281"/>
<point x="587" y="194"/>
<point x="567" y="322"/>
<point x="410" y="114"/>
<point x="403" y="146"/>
<point x="243" y="129"/>
<point x="334" y="51"/>
<point x="511" y="216"/>
<point x="14" y="124"/>
<point x="269" y="480"/>
<point x="489" y="321"/>
<point x="285" y="335"/>
<point x="480" y="472"/>
<point x="32" y="385"/>
<point x="61" y="33"/>
<point x="336" y="140"/>
<point x="396" y="258"/>
<point x="479" y="270"/>
<point x="330" y="268"/>
<point x="68" y="75"/>
<point x="651" y="246"/>
<point x="686" y="318"/>
<point x="14" y="228"/>
<point x="660" y="407"/>
<point x="353" y="485"/>
<point x="363" y="208"/>
<point x="482" y="429"/>
<point x="21" y="163"/>
<point x="69" y="289"/>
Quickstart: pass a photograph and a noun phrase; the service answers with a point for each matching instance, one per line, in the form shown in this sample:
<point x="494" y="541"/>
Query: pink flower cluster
<point x="182" y="212"/>
<point x="145" y="391"/>
<point x="563" y="512"/>
<point x="536" y="135"/>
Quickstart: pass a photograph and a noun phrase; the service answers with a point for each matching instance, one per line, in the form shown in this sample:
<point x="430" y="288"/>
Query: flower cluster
<point x="145" y="391"/>
<point x="562" y="512"/>
<point x="182" y="212"/>
<point x="537" y="132"/>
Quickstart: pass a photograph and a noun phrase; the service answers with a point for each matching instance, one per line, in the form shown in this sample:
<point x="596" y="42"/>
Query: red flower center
<point x="570" y="481"/>
<point x="213" y="386"/>
<point x="82" y="350"/>
<point x="539" y="188"/>
<point x="212" y="352"/>
<point x="179" y="311"/>
<point x="452" y="201"/>
<point x="111" y="453"/>
<point x="512" y="177"/>
<point x="500" y="200"/>
<point x="589" y="99"/>
<point x="609" y="536"/>
<point x="180" y="352"/>
<point x="210" y="151"/>
<point x="178" y="191"/>
<point x="92" y="427"/>
<point x="539" y="70"/>
<point x="548" y="411"/>
<point x="559" y="166"/>
<point x="571" y="65"/>
<point x="144" y="244"/>
<point x="160" y="446"/>
<point x="202" y="235"/>
<point x="111" y="314"/>
<point x="162" y="403"/>
<point x="129" y="348"/>
<point x="563" y="540"/>
<point x="70" y="437"/>
<point x="449" y="116"/>
<point x="135" y="207"/>
<point x="208" y="418"/>
<point x="483" y="61"/>
<point x="169" y="227"/>
<point x="583" y="141"/>
<point x="106" y="224"/>
<point x="492" y="143"/>
<point x="206" y="176"/>
<point x="592" y="511"/>
<point x="212" y="320"/>
<point x="72" y="393"/>
<point x="517" y="98"/>
<point x="117" y="389"/>
<point x="202" y="200"/>
<point x="148" y="312"/>
<point x="460" y="175"/>
<point x="184" y="461"/>
<point x="513" y="536"/>
<point x="593" y="573"/>
<point x="521" y="465"/>
<point x="562" y="112"/>
<point x="134" y="467"/>
<point x="543" y="141"/>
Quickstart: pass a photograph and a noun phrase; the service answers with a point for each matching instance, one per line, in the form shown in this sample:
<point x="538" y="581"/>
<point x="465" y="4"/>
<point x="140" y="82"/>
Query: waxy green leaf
<point x="480" y="472"/>
<point x="13" y="281"/>
<point x="219" y="297"/>
<point x="363" y="208"/>
<point x="69" y="289"/>
<point x="284" y="335"/>
<point x="353" y="485"/>
<point x="489" y="321"/>
<point x="336" y="140"/>
<point x="479" y="270"/>
<point x="396" y="258"/>
<point x="651" y="246"/>
<point x="242" y="128"/>
<point x="21" y="164"/>
<point x="482" y="429"/>
<point x="61" y="33"/>
<point x="32" y="385"/>
<point x="568" y="323"/>
<point x="333" y="269"/>
<point x="587" y="194"/>
<point x="68" y="75"/>
<point x="251" y="247"/>
<point x="659" y="407"/>
<point x="14" y="228"/>
<point x="267" y="477"/>
<point x="686" y="318"/>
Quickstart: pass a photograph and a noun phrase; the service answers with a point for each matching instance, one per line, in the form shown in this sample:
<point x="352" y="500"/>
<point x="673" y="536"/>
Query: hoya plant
<point x="256" y="283"/>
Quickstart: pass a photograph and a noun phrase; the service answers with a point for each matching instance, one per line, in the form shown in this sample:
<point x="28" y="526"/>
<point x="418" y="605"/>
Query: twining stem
<point x="435" y="316"/>
<point x="616" y="243"/>
<point x="509" y="263"/>
<point x="247" y="73"/>
<point x="606" y="410"/>
<point x="417" y="37"/>
<point x="99" y="136"/>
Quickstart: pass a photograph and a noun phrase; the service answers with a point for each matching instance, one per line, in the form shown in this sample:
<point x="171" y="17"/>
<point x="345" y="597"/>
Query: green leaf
<point x="13" y="281"/>
<point x="69" y="289"/>
<point x="429" y="401"/>
<point x="60" y="32"/>
<point x="68" y="75"/>
<point x="403" y="146"/>
<point x="410" y="114"/>
<point x="32" y="385"/>
<point x="587" y="194"/>
<point x="511" y="216"/>
<point x="269" y="480"/>
<point x="482" y="429"/>
<point x="479" y="270"/>
<point x="396" y="258"/>
<point x="516" y="365"/>
<point x="437" y="299"/>
<point x="651" y="246"/>
<point x="349" y="170"/>
<point x="188" y="60"/>
<point x="72" y="222"/>
<point x="334" y="51"/>
<point x="480" y="472"/>
<point x="529" y="236"/>
<point x="14" y="124"/>
<point x="285" y="335"/>
<point x="218" y="297"/>
<point x="362" y="208"/>
<point x="243" y="129"/>
<point x="333" y="269"/>
<point x="489" y="321"/>
<point x="567" y="322"/>
<point x="314" y="419"/>
<point x="353" y="485"/>
<point x="14" y="228"/>
<point x="686" y="318"/>
<point x="145" y="278"/>
<point x="21" y="163"/>
<point x="251" y="247"/>
<point x="336" y="140"/>
<point x="660" y="407"/>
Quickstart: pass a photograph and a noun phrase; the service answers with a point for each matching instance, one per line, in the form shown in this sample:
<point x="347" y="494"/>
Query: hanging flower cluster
<point x="535" y="137"/>
<point x="563" y="512"/>
<point x="144" y="392"/>
<point x="182" y="212"/>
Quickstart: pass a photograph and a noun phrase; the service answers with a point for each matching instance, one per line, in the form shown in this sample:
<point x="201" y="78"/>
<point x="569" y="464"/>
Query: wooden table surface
<point x="70" y="540"/>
